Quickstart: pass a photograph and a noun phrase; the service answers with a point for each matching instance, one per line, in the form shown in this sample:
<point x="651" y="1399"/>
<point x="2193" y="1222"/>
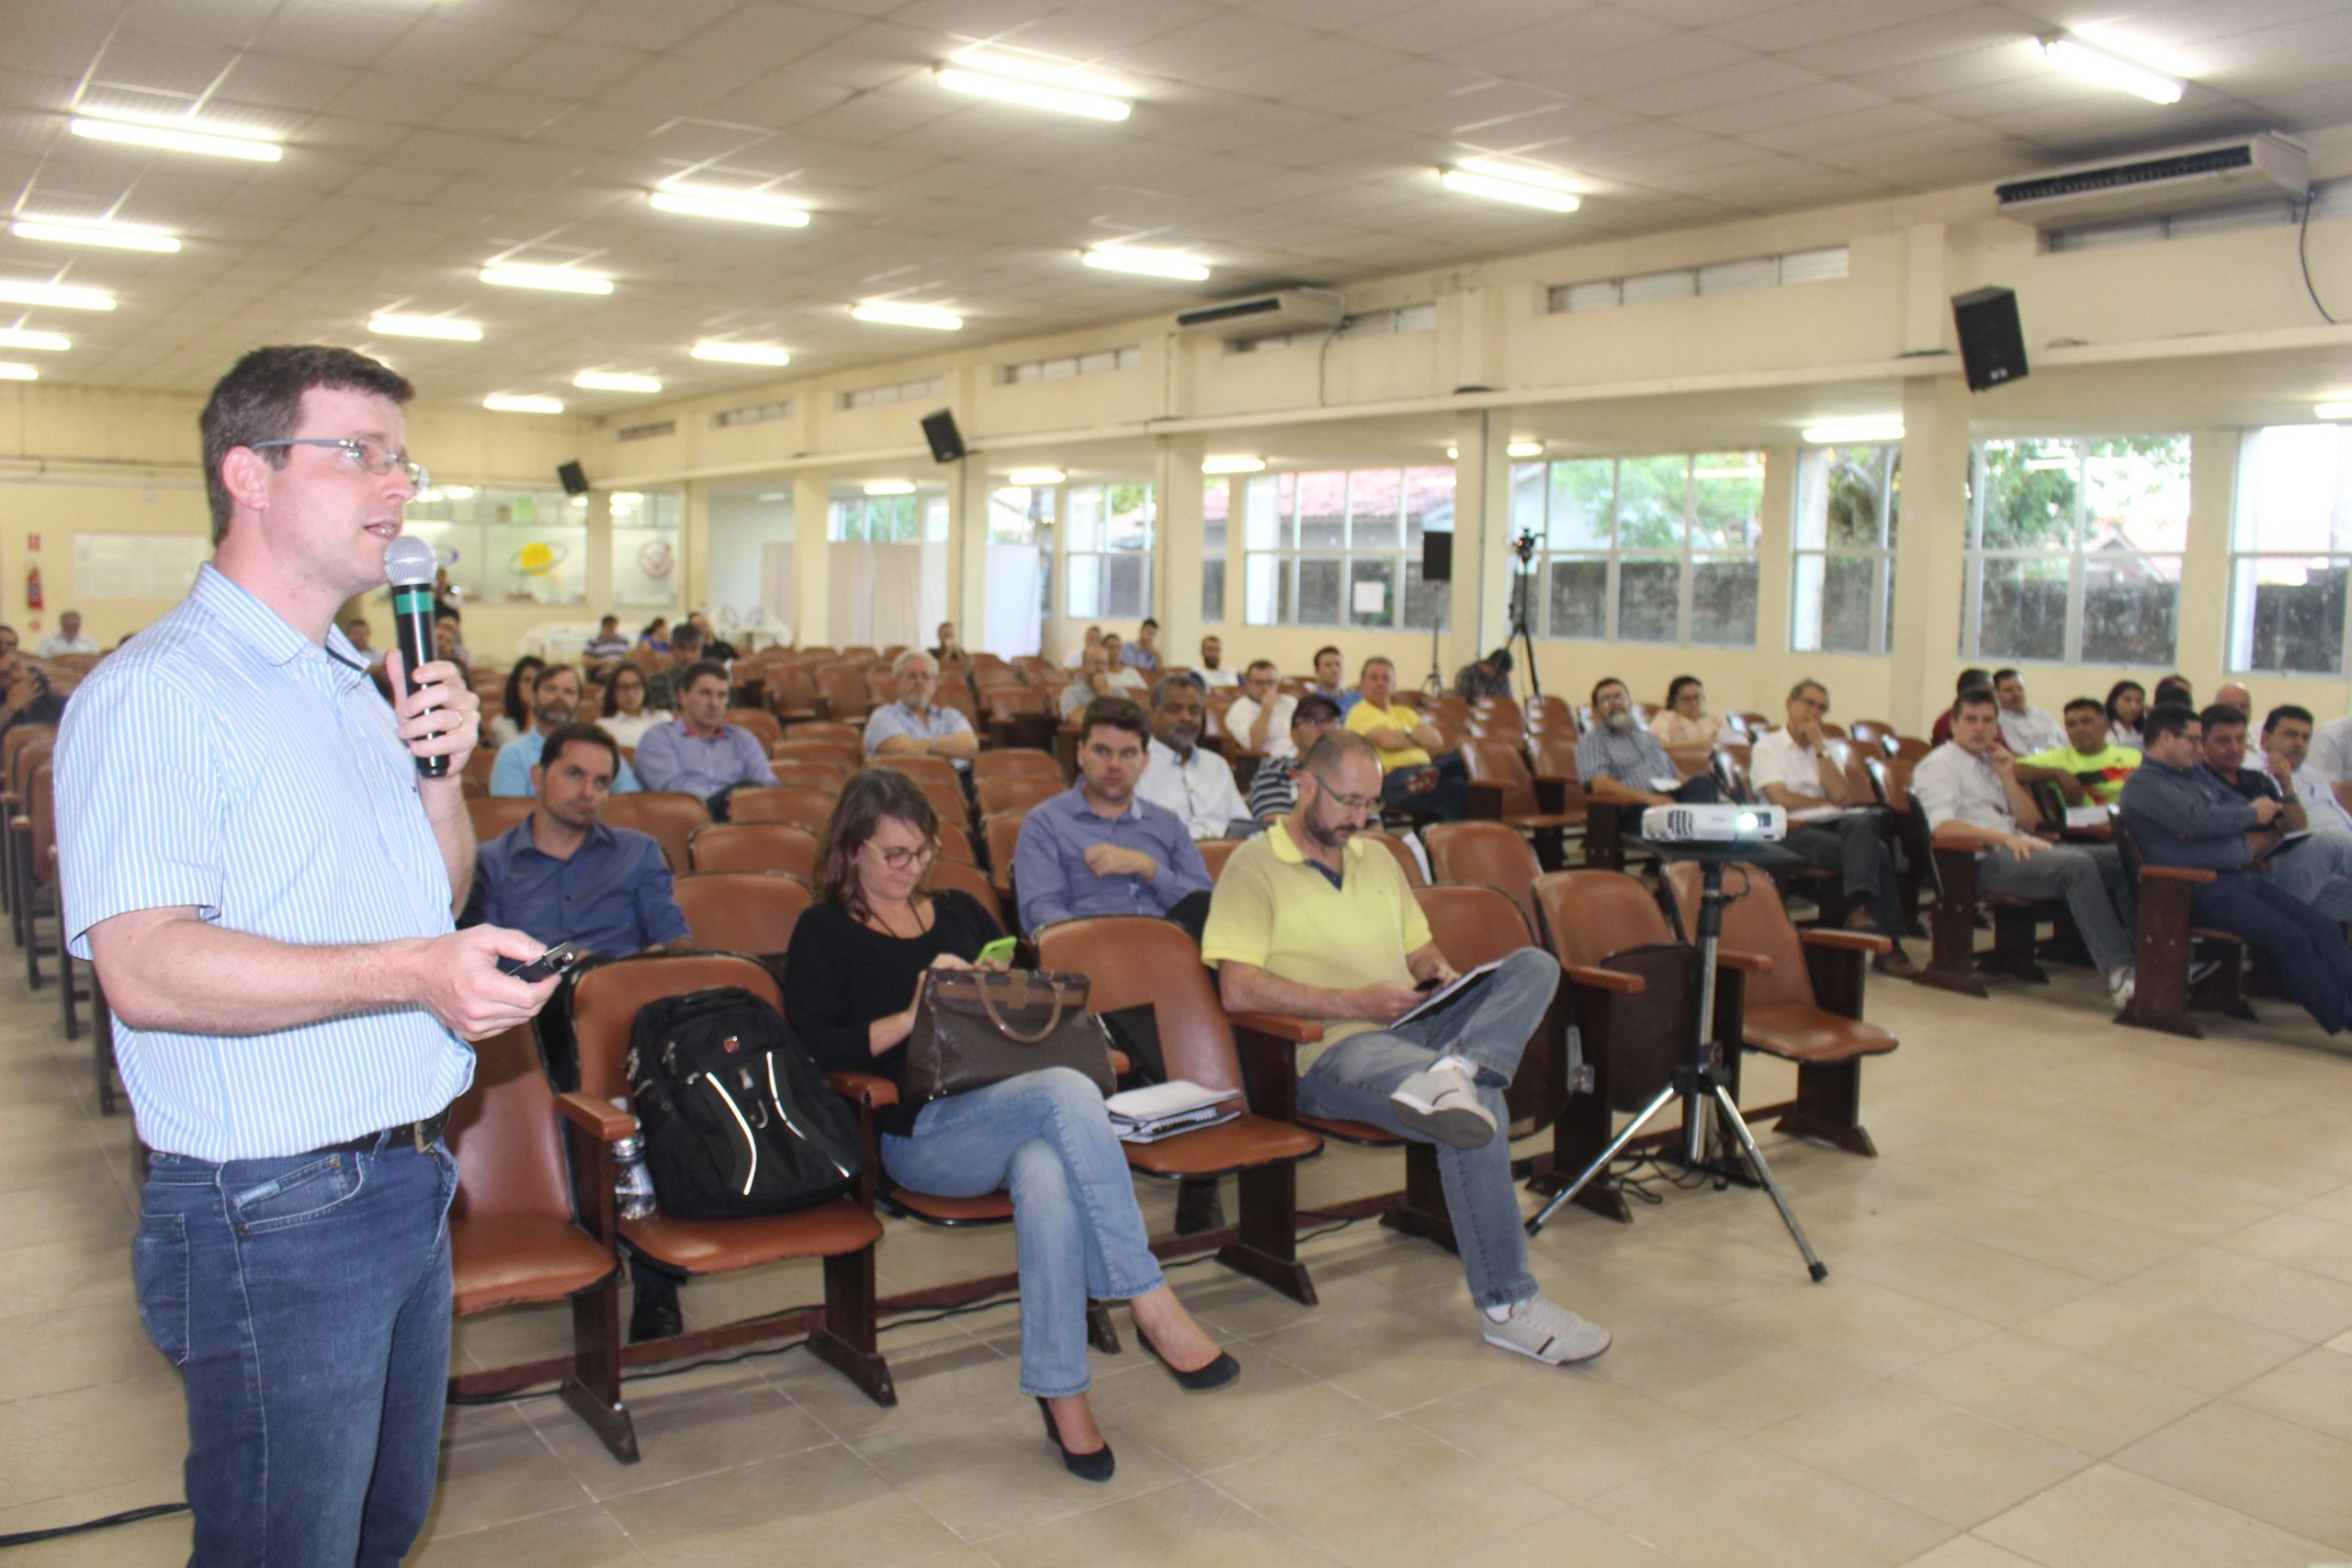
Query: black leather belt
<point x="419" y="1135"/>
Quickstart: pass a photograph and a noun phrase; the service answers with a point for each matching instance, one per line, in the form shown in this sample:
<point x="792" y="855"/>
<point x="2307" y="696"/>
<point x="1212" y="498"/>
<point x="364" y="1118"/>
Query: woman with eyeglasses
<point x="1685" y="720"/>
<point x="852" y="991"/>
<point x="514" y="716"/>
<point x="628" y="719"/>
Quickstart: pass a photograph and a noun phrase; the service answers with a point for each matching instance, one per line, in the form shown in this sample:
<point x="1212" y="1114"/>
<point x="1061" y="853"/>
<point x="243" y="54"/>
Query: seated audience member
<point x="1144" y="652"/>
<point x="449" y="643"/>
<point x="663" y="687"/>
<point x="1094" y="681"/>
<point x="1620" y="761"/>
<point x="607" y="646"/>
<point x="1213" y="671"/>
<point x="513" y="715"/>
<point x="714" y="646"/>
<point x="699" y="751"/>
<point x="1421" y="771"/>
<point x="1685" y="721"/>
<point x="626" y="717"/>
<point x="25" y="694"/>
<point x="948" y="647"/>
<point x="554" y="703"/>
<point x="69" y="637"/>
<point x="1328" y="671"/>
<point x="1311" y="921"/>
<point x="2180" y="814"/>
<point x="2127" y="701"/>
<point x="2316" y="869"/>
<point x="1260" y="719"/>
<point x="1273" y="789"/>
<point x="2233" y="694"/>
<point x="853" y="992"/>
<point x="914" y="725"/>
<point x="1100" y="847"/>
<point x="7" y="639"/>
<point x="2287" y="742"/>
<point x="363" y="640"/>
<point x="2025" y="729"/>
<point x="2091" y="764"/>
<point x="1489" y="677"/>
<point x="2174" y="689"/>
<point x="1181" y="774"/>
<point x="1077" y="654"/>
<point x="1123" y="677"/>
<point x="1969" y="680"/>
<point x="1793" y="771"/>
<point x="2331" y="757"/>
<point x="1970" y="790"/>
<point x="656" y="635"/>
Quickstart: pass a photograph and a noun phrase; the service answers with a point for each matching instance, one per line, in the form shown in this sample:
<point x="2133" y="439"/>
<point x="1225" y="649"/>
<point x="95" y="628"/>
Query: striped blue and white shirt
<point x="222" y="761"/>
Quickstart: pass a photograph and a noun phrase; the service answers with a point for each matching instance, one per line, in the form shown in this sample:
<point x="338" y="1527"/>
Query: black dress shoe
<point x="655" y="1313"/>
<point x="1095" y="1466"/>
<point x="1200" y="1379"/>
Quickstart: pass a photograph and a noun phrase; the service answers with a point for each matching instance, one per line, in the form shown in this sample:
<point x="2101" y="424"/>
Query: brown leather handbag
<point x="977" y="1027"/>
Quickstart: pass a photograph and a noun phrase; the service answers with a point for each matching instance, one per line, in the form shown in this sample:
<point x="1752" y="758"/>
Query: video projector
<point x="1714" y="824"/>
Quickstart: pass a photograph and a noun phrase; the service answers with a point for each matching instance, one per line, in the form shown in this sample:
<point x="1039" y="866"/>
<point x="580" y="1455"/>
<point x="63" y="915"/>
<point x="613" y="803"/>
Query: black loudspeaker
<point x="574" y="478"/>
<point x="1992" y="343"/>
<point x="1437" y="557"/>
<point x="939" y="429"/>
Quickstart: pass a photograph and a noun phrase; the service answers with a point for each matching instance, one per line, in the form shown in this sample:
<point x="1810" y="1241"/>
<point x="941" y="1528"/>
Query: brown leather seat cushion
<point x="1802" y="1033"/>
<point x="1242" y="1143"/>
<point x="1543" y="819"/>
<point x="507" y="1259"/>
<point x="1351" y="1132"/>
<point x="989" y="1208"/>
<point x="714" y="1246"/>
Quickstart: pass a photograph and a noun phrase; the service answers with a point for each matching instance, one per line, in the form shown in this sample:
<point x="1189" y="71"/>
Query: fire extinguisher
<point x="32" y="588"/>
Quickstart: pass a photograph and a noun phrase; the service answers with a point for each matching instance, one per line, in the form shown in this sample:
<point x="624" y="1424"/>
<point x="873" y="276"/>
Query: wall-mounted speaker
<point x="1992" y="342"/>
<point x="1437" y="557"/>
<point x="574" y="478"/>
<point x="939" y="429"/>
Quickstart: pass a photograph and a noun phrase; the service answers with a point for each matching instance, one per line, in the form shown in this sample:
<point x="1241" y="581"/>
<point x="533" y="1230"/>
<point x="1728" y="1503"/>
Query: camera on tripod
<point x="1524" y="548"/>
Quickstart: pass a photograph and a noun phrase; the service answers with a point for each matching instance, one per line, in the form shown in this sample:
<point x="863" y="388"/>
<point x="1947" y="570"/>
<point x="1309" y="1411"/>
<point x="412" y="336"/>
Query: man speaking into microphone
<point x="266" y="884"/>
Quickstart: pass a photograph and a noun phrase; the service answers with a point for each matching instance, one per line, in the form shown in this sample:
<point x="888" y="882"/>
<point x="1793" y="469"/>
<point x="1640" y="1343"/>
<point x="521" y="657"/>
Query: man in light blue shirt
<point x="914" y="725"/>
<point x="699" y="753"/>
<point x="554" y="701"/>
<point x="1102" y="849"/>
<point x="266" y="884"/>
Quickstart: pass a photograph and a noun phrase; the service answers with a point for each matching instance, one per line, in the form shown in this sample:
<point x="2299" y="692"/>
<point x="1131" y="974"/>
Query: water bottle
<point x="632" y="1183"/>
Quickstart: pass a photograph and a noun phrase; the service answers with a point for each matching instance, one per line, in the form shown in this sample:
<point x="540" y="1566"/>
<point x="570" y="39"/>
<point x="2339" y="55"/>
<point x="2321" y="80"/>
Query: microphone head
<point x="409" y="562"/>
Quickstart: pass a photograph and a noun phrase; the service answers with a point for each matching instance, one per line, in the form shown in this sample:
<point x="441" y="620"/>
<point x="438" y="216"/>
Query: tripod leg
<point x="1813" y="1265"/>
<point x="1600" y="1163"/>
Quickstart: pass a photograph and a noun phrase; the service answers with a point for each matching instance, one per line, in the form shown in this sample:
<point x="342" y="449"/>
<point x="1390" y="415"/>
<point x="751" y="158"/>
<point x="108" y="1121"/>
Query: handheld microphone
<point x="409" y="565"/>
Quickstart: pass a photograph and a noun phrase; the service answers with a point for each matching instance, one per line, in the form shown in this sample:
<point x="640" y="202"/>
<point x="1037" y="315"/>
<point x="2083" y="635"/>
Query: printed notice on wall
<point x="1371" y="598"/>
<point x="137" y="566"/>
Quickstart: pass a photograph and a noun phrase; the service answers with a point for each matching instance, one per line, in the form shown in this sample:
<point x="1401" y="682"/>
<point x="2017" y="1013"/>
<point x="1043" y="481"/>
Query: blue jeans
<point x="1354" y="1079"/>
<point x="1044" y="1137"/>
<point x="307" y="1299"/>
<point x="2317" y="870"/>
<point x="2313" y="962"/>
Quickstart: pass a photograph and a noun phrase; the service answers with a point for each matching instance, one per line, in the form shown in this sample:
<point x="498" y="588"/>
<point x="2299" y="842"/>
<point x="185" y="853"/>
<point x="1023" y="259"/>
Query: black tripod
<point x="1697" y="1082"/>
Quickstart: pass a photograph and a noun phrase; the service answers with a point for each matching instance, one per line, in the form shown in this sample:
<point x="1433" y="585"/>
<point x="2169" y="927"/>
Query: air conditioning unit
<point x="2264" y="167"/>
<point x="1267" y="315"/>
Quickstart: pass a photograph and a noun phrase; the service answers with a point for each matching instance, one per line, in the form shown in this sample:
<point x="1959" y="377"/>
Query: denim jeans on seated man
<point x="2318" y="872"/>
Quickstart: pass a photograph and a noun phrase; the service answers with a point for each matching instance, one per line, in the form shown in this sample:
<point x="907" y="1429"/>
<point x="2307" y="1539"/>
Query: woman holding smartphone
<point x="851" y="990"/>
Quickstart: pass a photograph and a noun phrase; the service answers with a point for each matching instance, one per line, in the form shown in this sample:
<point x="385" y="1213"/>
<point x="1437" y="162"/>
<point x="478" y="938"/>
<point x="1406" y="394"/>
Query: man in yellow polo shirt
<point x="1310" y="921"/>
<point x="2090" y="763"/>
<point x="1421" y="772"/>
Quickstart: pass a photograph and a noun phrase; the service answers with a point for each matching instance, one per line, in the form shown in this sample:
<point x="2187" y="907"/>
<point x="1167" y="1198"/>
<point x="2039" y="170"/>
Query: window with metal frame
<point x="2290" y="550"/>
<point x="1342" y="548"/>
<point x="1652" y="549"/>
<point x="1842" y="555"/>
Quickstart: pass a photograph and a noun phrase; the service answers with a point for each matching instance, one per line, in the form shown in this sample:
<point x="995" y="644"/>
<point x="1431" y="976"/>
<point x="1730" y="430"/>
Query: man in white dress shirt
<point x="2025" y="729"/>
<point x="1260" y="719"/>
<point x="1178" y="772"/>
<point x="67" y="638"/>
<point x="1793" y="769"/>
<point x="2287" y="740"/>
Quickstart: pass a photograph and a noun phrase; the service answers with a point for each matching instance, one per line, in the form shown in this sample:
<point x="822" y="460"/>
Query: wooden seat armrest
<point x="1274" y="1026"/>
<point x="1484" y="802"/>
<point x="1612" y="980"/>
<point x="1267" y="1045"/>
<point x="1846" y="942"/>
<point x="1551" y="795"/>
<point x="870" y="1091"/>
<point x="600" y="1121"/>
<point x="1746" y="963"/>
<point x="2175" y="874"/>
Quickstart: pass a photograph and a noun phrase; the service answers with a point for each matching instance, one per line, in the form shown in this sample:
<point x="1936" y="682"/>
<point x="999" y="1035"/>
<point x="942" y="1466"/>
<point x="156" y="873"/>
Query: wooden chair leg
<point x="1952" y="930"/>
<point x="66" y="997"/>
<point x="847" y="1342"/>
<point x="2014" y="950"/>
<point x="1100" y="1332"/>
<point x="1267" y="1246"/>
<point x="1423" y="1212"/>
<point x="2160" y="961"/>
<point x="1828" y="1106"/>
<point x="594" y="1388"/>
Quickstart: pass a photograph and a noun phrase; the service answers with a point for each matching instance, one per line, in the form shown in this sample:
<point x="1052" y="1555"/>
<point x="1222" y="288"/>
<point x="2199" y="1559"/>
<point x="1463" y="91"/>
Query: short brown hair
<point x="1116" y="713"/>
<point x="261" y="400"/>
<point x="697" y="671"/>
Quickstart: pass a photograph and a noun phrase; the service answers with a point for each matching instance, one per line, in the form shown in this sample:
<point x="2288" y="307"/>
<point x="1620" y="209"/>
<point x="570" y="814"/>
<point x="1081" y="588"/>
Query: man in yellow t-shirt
<point x="2090" y="764"/>
<point x="1310" y="921"/>
<point x="1421" y="771"/>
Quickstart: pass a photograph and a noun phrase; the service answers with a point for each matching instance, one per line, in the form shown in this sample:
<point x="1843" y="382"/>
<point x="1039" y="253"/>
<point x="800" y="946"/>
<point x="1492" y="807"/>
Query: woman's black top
<point x="842" y="975"/>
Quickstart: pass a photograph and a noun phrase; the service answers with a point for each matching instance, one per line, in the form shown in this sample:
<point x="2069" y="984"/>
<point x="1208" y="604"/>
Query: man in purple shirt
<point x="699" y="753"/>
<point x="1102" y="849"/>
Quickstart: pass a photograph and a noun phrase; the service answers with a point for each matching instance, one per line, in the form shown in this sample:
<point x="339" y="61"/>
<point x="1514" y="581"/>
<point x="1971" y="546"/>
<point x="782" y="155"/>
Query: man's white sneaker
<point x="2121" y="985"/>
<point x="1442" y="1103"/>
<point x="1547" y="1331"/>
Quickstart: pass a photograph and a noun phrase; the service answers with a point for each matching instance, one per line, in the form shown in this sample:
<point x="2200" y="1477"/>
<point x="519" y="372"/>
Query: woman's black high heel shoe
<point x="1217" y="1374"/>
<point x="1096" y="1466"/>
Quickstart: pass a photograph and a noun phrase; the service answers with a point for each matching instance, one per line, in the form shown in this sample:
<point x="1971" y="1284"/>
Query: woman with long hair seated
<point x="626" y="718"/>
<point x="514" y="716"/>
<point x="2126" y="705"/>
<point x="851" y="990"/>
<point x="1685" y="721"/>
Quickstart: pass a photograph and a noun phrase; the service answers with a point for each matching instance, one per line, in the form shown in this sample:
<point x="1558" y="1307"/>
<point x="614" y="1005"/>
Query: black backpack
<point x="737" y="1119"/>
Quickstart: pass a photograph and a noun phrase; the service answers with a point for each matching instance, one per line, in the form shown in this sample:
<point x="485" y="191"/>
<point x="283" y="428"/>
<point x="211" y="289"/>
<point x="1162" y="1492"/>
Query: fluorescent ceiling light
<point x="24" y="337"/>
<point x="178" y="139"/>
<point x="889" y="313"/>
<point x="1469" y="182"/>
<point x="614" y="381"/>
<point x="889" y="487"/>
<point x="738" y="208"/>
<point x="1032" y="95"/>
<point x="63" y="296"/>
<point x="442" y="327"/>
<point x="2111" y="70"/>
<point x="1148" y="264"/>
<point x="2335" y="413"/>
<point x="1524" y="449"/>
<point x="1858" y="433"/>
<point x="503" y="402"/>
<point x="1037" y="68"/>
<point x="740" y="352"/>
<point x="12" y="371"/>
<point x="1234" y="463"/>
<point x="1035" y="476"/>
<point x="114" y="236"/>
<point x="556" y="279"/>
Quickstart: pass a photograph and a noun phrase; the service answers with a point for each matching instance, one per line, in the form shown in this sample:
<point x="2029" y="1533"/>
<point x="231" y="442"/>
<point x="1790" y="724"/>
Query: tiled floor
<point x="2092" y="1307"/>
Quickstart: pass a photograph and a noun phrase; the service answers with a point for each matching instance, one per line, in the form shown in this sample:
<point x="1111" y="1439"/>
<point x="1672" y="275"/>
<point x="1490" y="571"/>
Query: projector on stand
<point x="1714" y="824"/>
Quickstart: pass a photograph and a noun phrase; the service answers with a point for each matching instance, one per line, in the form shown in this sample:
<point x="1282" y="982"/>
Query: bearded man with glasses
<point x="1310" y="921"/>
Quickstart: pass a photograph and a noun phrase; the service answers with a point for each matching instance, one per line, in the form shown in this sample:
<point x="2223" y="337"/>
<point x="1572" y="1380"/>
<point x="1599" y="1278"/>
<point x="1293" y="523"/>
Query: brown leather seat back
<point x="809" y="808"/>
<point x="754" y="846"/>
<point x="13" y="743"/>
<point x="956" y="843"/>
<point x="759" y="722"/>
<point x="1754" y="921"/>
<point x="606" y="998"/>
<point x="827" y="730"/>
<point x="749" y="912"/>
<point x="962" y="877"/>
<point x="824" y="777"/>
<point x="937" y="778"/>
<point x="1474" y="925"/>
<point x="1001" y="833"/>
<point x="1133" y="961"/>
<point x="35" y="752"/>
<point x="1016" y="761"/>
<point x="1497" y="762"/>
<point x="1019" y="793"/>
<point x="1591" y="915"/>
<point x="844" y="689"/>
<point x="503" y="1133"/>
<point x="669" y="814"/>
<point x="847" y="755"/>
<point x="1215" y="853"/>
<point x="496" y="814"/>
<point x="1555" y="753"/>
<point x="1402" y="853"/>
<point x="41" y="806"/>
<point x="1485" y="854"/>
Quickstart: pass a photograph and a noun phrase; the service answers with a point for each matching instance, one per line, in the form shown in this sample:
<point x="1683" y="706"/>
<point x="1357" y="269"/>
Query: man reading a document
<point x="1309" y="920"/>
<point x="1791" y="769"/>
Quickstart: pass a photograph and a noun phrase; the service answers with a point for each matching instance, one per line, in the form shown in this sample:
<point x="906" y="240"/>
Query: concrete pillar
<point x="1176" y="486"/>
<point x="1478" y="608"/>
<point x="811" y="576"/>
<point x="1930" y="551"/>
<point x="967" y="550"/>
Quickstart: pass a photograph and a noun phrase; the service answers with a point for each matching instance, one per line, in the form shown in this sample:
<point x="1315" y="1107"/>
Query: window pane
<point x="2291" y="615"/>
<point x="1323" y="511"/>
<point x="1429" y="497"/>
<point x="1421" y="601"/>
<point x="1268" y="603"/>
<point x="2136" y="494"/>
<point x="534" y="552"/>
<point x="1833" y="604"/>
<point x="1582" y="498"/>
<point x="1085" y="587"/>
<point x="1213" y="590"/>
<point x="645" y="566"/>
<point x="2029" y="494"/>
<point x="1318" y="592"/>
<point x="2024" y="614"/>
<point x="1578" y="598"/>
<point x="1728" y="490"/>
<point x="1375" y="497"/>
<point x="1127" y="521"/>
<point x="2130" y="605"/>
<point x="1123" y="595"/>
<point x="1846" y="497"/>
<point x="1649" y="590"/>
<point x="1266" y="523"/>
<point x="1528" y="484"/>
<point x="1217" y="503"/>
<point x="1367" y="574"/>
<point x="1722" y="601"/>
<point x="1653" y="502"/>
<point x="2294" y="490"/>
<point x="1085" y="518"/>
